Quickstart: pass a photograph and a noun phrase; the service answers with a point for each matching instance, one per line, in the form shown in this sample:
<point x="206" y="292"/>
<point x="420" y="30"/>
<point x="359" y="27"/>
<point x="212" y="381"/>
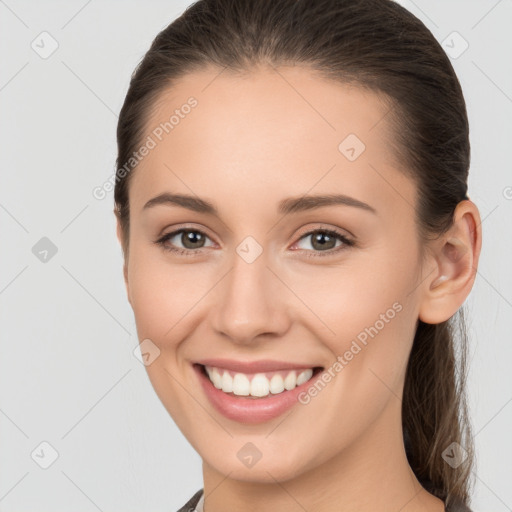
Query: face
<point x="252" y="268"/>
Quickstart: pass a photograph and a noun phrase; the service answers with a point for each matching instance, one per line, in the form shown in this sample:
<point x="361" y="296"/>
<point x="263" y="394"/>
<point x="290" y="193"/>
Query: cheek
<point x="342" y="301"/>
<point x="370" y="317"/>
<point x="152" y="308"/>
<point x="354" y="296"/>
<point x="162" y="294"/>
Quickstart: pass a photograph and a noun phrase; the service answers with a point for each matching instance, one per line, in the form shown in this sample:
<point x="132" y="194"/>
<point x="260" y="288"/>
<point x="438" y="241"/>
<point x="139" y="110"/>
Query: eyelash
<point x="347" y="243"/>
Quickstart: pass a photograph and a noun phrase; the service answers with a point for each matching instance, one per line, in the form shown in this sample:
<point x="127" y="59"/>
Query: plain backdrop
<point x="73" y="397"/>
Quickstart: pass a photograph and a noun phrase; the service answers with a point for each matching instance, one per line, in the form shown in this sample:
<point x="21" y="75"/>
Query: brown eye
<point x="324" y="241"/>
<point x="184" y="241"/>
<point x="192" y="239"/>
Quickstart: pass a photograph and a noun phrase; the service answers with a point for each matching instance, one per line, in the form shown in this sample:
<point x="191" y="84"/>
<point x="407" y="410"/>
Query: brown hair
<point x="378" y="45"/>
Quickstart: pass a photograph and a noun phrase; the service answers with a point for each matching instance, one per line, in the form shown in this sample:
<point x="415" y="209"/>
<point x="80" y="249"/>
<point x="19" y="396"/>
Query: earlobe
<point x="455" y="259"/>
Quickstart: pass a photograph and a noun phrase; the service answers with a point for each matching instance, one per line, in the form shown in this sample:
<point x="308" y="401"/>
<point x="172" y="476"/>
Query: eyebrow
<point x="285" y="206"/>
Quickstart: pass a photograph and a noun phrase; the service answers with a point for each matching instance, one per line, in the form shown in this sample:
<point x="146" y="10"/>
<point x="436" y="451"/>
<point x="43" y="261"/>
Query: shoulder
<point x="192" y="502"/>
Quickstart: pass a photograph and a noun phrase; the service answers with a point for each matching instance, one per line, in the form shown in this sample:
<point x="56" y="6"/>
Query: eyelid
<point x="326" y="227"/>
<point x="183" y="227"/>
<point x="163" y="239"/>
<point x="347" y="241"/>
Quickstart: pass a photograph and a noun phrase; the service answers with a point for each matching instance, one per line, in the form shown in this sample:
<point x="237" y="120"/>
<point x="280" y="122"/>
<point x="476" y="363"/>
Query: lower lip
<point x="250" y="410"/>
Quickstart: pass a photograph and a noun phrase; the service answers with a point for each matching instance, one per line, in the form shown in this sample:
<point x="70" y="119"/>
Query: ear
<point x="120" y="237"/>
<point x="454" y="258"/>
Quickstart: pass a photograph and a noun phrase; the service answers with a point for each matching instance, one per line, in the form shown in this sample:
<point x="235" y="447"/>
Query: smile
<point x="253" y="396"/>
<point x="257" y="384"/>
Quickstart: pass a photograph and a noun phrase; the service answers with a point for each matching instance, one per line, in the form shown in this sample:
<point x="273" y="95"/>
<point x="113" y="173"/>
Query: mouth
<point x="257" y="385"/>
<point x="254" y="398"/>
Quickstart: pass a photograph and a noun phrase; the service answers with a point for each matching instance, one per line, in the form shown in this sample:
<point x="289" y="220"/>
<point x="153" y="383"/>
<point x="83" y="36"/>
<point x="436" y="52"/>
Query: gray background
<point x="68" y="376"/>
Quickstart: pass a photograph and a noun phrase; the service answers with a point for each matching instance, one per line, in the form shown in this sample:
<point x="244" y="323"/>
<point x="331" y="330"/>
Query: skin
<point x="252" y="141"/>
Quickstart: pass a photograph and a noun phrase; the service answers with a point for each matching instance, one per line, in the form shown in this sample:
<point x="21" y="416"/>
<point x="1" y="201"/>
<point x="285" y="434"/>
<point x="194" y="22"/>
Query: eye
<point x="192" y="239"/>
<point x="324" y="241"/>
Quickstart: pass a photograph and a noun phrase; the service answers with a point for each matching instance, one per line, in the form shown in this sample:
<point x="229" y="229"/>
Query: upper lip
<point x="261" y="366"/>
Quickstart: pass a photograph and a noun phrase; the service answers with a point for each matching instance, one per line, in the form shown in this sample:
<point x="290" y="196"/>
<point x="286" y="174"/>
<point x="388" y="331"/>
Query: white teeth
<point x="216" y="379"/>
<point x="260" y="385"/>
<point x="227" y="383"/>
<point x="290" y="381"/>
<point x="304" y="376"/>
<point x="241" y="384"/>
<point x="276" y="384"/>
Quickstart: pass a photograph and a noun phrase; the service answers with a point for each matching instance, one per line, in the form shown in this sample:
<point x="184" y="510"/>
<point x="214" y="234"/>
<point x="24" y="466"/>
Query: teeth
<point x="290" y="381"/>
<point x="260" y="385"/>
<point x="276" y="384"/>
<point x="227" y="383"/>
<point x="303" y="377"/>
<point x="216" y="379"/>
<point x="241" y="384"/>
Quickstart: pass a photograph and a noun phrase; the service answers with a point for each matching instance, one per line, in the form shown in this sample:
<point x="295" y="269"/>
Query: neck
<point x="371" y="474"/>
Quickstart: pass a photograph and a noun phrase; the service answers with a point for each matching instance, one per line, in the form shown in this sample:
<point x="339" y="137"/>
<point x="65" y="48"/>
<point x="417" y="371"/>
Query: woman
<point x="292" y="206"/>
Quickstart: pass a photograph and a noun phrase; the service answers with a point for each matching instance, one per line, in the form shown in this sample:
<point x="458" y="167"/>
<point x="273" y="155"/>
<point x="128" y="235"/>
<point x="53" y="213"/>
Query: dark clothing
<point x="191" y="504"/>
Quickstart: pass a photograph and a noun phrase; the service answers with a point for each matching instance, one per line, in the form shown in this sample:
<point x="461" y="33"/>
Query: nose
<point x="252" y="302"/>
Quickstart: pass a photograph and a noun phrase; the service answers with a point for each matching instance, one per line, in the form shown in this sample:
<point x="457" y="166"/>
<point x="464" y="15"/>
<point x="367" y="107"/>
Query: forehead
<point x="267" y="131"/>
